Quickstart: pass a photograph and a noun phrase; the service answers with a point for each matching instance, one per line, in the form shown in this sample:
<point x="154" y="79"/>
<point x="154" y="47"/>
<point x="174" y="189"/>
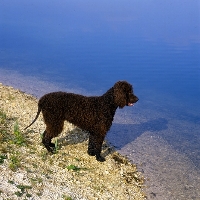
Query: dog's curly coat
<point x="92" y="114"/>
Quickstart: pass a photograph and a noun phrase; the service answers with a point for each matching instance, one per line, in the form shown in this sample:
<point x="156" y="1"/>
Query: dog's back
<point x="84" y="112"/>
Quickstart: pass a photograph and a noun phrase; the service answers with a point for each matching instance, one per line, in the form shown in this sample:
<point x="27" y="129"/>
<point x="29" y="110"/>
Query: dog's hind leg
<point x="47" y="142"/>
<point x="51" y="132"/>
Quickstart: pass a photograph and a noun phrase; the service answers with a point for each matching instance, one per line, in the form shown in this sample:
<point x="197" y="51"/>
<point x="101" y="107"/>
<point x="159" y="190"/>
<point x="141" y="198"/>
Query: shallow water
<point x="85" y="47"/>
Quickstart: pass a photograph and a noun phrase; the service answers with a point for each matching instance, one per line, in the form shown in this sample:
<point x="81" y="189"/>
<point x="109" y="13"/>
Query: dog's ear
<point x="120" y="94"/>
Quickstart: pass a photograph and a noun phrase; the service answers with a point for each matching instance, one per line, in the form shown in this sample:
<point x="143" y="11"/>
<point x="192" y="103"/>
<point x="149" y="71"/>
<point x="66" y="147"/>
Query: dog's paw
<point x="91" y="153"/>
<point x="100" y="158"/>
<point x="50" y="149"/>
<point x="52" y="145"/>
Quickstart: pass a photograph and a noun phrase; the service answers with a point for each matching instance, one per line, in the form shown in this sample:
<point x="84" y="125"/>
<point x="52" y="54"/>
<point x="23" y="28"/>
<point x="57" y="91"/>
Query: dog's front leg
<point x="95" y="145"/>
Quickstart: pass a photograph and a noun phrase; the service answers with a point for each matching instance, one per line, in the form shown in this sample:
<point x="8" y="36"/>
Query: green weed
<point x="36" y="180"/>
<point x="23" y="187"/>
<point x="23" y="190"/>
<point x="14" y="162"/>
<point x="2" y="158"/>
<point x="19" y="139"/>
<point x="11" y="182"/>
<point x="65" y="197"/>
<point x="41" y="135"/>
<point x="2" y="117"/>
<point x="3" y="126"/>
<point x="18" y="193"/>
<point x="56" y="146"/>
<point x="44" y="155"/>
<point x="75" y="168"/>
<point x="11" y="97"/>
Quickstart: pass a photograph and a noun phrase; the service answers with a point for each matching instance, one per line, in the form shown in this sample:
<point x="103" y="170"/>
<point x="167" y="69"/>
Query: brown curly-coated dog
<point x="93" y="114"/>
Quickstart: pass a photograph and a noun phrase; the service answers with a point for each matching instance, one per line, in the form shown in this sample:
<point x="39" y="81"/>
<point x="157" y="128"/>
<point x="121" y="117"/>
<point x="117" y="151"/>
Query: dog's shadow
<point x="74" y="136"/>
<point x="77" y="135"/>
<point x="118" y="136"/>
<point x="122" y="134"/>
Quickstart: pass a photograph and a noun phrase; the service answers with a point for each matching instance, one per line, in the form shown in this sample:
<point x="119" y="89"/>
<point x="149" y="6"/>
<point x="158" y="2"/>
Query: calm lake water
<point x="86" y="46"/>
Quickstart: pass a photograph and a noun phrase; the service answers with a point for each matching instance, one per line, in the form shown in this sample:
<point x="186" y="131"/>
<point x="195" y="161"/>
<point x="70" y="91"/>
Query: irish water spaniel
<point x="93" y="114"/>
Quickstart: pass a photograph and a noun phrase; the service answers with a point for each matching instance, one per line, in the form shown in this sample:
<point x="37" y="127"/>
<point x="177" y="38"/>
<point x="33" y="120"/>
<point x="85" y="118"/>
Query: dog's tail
<point x="38" y="112"/>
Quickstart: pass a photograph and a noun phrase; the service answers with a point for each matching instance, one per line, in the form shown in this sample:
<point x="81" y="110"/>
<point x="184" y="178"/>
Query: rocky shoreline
<point x="27" y="170"/>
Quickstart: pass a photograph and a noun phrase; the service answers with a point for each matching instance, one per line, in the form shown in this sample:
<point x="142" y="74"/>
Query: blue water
<point x="155" y="45"/>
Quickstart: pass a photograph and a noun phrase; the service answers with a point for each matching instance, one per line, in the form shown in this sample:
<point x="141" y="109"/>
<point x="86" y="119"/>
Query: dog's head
<point x="123" y="94"/>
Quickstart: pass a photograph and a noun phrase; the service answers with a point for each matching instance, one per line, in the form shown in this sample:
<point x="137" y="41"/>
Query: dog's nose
<point x="136" y="99"/>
